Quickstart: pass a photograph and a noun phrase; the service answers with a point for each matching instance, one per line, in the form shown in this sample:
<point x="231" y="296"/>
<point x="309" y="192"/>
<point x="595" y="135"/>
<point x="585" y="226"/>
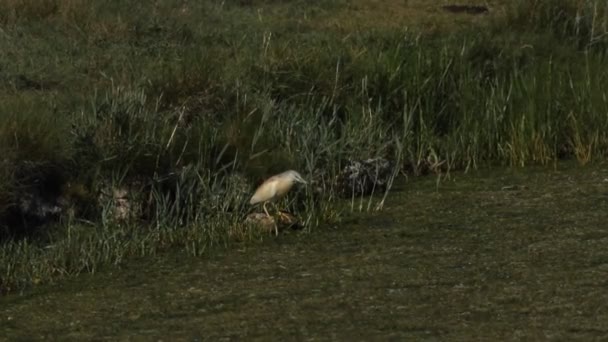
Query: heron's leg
<point x="276" y="221"/>
<point x="265" y="210"/>
<point x="276" y="227"/>
<point x="280" y="214"/>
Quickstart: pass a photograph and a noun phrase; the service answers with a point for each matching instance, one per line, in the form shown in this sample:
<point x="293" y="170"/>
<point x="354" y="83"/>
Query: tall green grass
<point x="190" y="105"/>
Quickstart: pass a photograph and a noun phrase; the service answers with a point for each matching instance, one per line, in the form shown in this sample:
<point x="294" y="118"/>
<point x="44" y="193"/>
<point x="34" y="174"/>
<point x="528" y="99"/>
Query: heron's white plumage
<point x="276" y="186"/>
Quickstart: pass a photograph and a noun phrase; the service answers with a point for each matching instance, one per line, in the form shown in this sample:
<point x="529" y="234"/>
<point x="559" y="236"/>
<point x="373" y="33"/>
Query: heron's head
<point x="296" y="177"/>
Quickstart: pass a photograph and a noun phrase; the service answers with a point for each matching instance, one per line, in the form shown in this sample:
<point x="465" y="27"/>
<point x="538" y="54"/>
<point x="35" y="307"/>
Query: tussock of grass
<point x="190" y="105"/>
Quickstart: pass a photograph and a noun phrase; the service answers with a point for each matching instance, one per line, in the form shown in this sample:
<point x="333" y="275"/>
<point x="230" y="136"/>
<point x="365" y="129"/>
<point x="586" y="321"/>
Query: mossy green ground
<point x="492" y="255"/>
<point x="129" y="89"/>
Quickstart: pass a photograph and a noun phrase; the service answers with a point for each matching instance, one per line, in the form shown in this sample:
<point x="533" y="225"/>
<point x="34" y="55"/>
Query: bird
<point x="276" y="187"/>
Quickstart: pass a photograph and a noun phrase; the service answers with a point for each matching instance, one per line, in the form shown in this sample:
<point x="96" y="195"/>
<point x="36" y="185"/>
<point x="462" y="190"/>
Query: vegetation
<point x="189" y="105"/>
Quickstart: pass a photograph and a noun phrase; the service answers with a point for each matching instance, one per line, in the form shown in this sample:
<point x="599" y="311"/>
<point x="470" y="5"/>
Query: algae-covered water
<point x="494" y="255"/>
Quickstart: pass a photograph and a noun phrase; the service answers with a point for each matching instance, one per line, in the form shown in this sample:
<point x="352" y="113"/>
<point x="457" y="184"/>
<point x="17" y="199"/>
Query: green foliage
<point x="583" y="23"/>
<point x="190" y="105"/>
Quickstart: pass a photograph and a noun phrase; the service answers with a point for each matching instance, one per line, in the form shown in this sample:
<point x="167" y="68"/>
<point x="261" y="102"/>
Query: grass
<point x="489" y="253"/>
<point x="189" y="105"/>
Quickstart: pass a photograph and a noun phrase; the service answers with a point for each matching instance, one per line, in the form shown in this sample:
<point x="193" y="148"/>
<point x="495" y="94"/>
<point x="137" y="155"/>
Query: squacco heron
<point x="276" y="187"/>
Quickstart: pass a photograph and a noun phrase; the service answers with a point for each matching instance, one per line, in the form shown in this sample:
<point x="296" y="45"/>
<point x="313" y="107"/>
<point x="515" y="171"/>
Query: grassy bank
<point x="190" y="105"/>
